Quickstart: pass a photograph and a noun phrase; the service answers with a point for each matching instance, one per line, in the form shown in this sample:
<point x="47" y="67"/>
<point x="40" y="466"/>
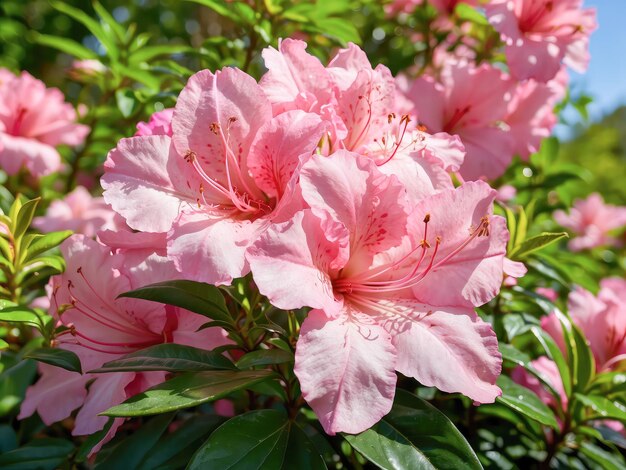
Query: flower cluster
<point x="321" y="182"/>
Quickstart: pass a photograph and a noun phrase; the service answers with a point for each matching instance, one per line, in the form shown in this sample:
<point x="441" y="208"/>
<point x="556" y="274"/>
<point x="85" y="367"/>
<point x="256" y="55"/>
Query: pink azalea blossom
<point x="540" y="34"/>
<point x="548" y="293"/>
<point x="601" y="319"/>
<point x="160" y="123"/>
<point x="472" y="103"/>
<point x="365" y="112"/>
<point x="392" y="286"/>
<point x="513" y="270"/>
<point x="101" y="328"/>
<point x="80" y="212"/>
<point x="33" y="121"/>
<point x="227" y="171"/>
<point x="531" y="115"/>
<point x="592" y="220"/>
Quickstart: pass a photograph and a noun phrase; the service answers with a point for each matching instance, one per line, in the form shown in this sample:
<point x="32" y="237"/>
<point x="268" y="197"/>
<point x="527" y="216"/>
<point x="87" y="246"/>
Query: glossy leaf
<point x="264" y="357"/>
<point x="25" y="217"/>
<point x="187" y="390"/>
<point x="47" y="242"/>
<point x="526" y="402"/>
<point x="602" y="407"/>
<point x="536" y="243"/>
<point x="66" y="45"/>
<point x="258" y="439"/>
<point x="42" y="454"/>
<point x="553" y="352"/>
<point x="414" y="435"/>
<point x="605" y="460"/>
<point x="57" y="357"/>
<point x="197" y="297"/>
<point x="168" y="357"/>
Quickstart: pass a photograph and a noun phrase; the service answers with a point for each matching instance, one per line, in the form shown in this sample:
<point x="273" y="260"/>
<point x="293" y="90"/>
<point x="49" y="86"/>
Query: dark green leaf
<point x="168" y="357"/>
<point x="21" y="315"/>
<point x="606" y="460"/>
<point x="553" y="352"/>
<point x="40" y="454"/>
<point x="56" y="357"/>
<point x="197" y="297"/>
<point x="414" y="435"/>
<point x="187" y="390"/>
<point x="47" y="242"/>
<point x="188" y="436"/>
<point x="89" y="443"/>
<point x="258" y="439"/>
<point x="132" y="450"/>
<point x="264" y="357"/>
<point x="585" y="367"/>
<point x="526" y="402"/>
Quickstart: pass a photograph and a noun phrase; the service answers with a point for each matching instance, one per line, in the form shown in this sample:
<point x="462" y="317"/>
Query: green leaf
<point x="341" y="29"/>
<point x="218" y="7"/>
<point x="3" y="345"/>
<point x="132" y="450"/>
<point x="92" y="25"/>
<point x="168" y="357"/>
<point x="57" y="357"/>
<point x="148" y="53"/>
<point x="554" y="353"/>
<point x="197" y="297"/>
<point x="40" y="454"/>
<point x="536" y="243"/>
<point x="264" y="357"/>
<point x="85" y="448"/>
<point x="47" y="242"/>
<point x="468" y="13"/>
<point x="258" y="439"/>
<point x="525" y="402"/>
<point x="602" y="407"/>
<point x="511" y="354"/>
<point x="182" y="442"/>
<point x="187" y="390"/>
<point x="606" y="460"/>
<point x="66" y="45"/>
<point x="414" y="435"/>
<point x="585" y="367"/>
<point x="111" y="22"/>
<point x="25" y="217"/>
<point x="21" y="315"/>
<point x="127" y="102"/>
<point x="144" y="77"/>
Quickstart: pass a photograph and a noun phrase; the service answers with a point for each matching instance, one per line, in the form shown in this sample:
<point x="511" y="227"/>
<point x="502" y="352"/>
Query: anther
<point x="190" y="156"/>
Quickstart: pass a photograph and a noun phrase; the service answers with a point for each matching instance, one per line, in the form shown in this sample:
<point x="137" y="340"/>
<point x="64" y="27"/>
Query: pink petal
<point x="345" y="369"/>
<point x="299" y="253"/>
<point x="56" y="394"/>
<point x="473" y="275"/>
<point x="38" y="158"/>
<point x="354" y="192"/>
<point x="295" y="79"/>
<point x="146" y="182"/>
<point x="212" y="250"/>
<point x="452" y="350"/>
<point x="276" y="151"/>
<point x="216" y="114"/>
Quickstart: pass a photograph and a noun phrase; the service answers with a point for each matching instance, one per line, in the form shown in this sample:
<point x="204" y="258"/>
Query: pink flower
<point x="365" y="112"/>
<point x="101" y="328"/>
<point x="600" y="318"/>
<point x="471" y="103"/>
<point x="540" y="34"/>
<point x="445" y="7"/>
<point x="592" y="220"/>
<point x="506" y="193"/>
<point x="229" y="169"/>
<point x="513" y="270"/>
<point x="548" y="293"/>
<point x="80" y="212"/>
<point x="33" y="121"/>
<point x="392" y="285"/>
<point x="531" y="116"/>
<point x="160" y="123"/>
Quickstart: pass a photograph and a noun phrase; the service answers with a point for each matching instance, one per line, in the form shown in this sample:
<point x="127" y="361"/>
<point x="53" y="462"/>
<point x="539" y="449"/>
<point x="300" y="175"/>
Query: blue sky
<point x="605" y="79"/>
